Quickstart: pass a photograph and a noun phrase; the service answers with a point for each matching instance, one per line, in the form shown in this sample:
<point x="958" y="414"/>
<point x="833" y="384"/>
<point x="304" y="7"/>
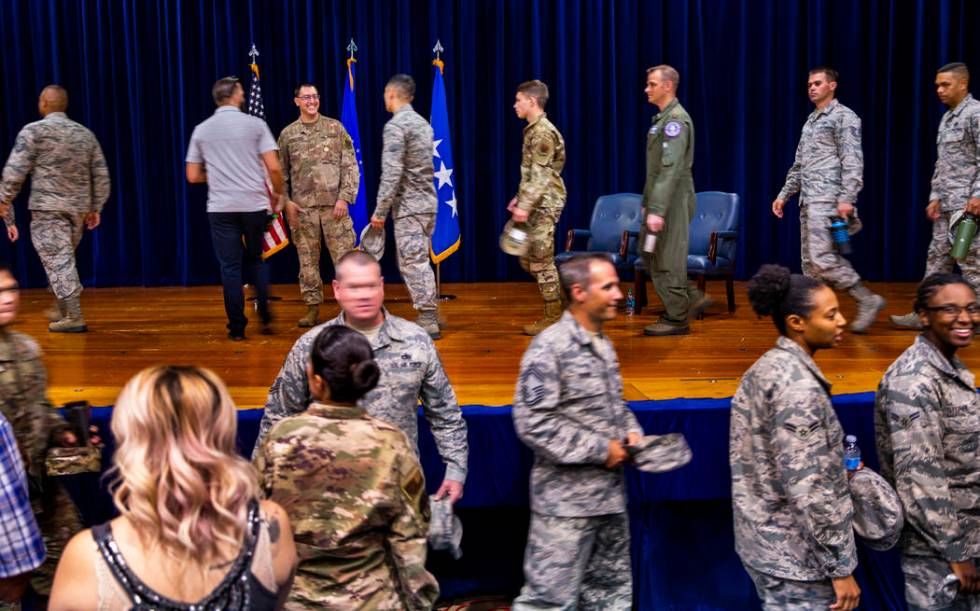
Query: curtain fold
<point x="139" y="74"/>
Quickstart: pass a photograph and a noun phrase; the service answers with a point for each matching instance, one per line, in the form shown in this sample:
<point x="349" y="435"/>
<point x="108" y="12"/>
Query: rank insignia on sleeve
<point x="654" y="130"/>
<point x="905" y="421"/>
<point x="532" y="385"/>
<point x="672" y="129"/>
<point x="804" y="430"/>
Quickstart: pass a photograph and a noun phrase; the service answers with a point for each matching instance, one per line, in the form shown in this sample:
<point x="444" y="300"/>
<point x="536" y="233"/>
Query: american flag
<point x="275" y="238"/>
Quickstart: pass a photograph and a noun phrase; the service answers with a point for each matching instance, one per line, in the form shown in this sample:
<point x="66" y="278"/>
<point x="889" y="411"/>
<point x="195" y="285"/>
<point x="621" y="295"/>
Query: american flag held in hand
<point x="275" y="237"/>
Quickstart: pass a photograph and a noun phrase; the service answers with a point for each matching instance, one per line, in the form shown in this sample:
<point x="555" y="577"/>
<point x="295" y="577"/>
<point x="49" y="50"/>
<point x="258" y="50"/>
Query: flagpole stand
<point x="441" y="296"/>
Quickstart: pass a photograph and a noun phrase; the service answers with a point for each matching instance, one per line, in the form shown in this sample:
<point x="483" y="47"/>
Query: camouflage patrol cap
<point x="854" y="223"/>
<point x="513" y="239"/>
<point x="373" y="241"/>
<point x="445" y="529"/>
<point x="660" y="453"/>
<point x="878" y="516"/>
<point x="70" y="461"/>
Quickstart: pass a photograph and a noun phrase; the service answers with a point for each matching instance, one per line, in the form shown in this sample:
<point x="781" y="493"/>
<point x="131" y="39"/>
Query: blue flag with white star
<point x="445" y="237"/>
<point x="348" y="116"/>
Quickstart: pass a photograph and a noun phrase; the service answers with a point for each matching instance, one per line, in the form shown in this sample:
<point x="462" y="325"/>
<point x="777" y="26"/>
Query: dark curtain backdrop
<point x="139" y="74"/>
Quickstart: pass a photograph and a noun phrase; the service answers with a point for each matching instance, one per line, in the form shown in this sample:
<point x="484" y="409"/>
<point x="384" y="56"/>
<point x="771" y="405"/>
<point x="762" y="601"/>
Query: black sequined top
<point x="240" y="590"/>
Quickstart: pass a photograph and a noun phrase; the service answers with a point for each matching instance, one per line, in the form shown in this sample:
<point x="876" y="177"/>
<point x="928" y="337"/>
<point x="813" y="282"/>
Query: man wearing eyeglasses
<point x="927" y="429"/>
<point x="321" y="179"/>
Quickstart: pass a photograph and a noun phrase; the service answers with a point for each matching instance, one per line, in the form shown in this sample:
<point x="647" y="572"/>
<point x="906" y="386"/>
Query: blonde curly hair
<point x="177" y="476"/>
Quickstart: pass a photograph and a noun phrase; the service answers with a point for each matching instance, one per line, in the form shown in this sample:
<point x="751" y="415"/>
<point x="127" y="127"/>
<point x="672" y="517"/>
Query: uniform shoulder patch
<point x="543" y="150"/>
<point x="673" y="129"/>
<point x="532" y="385"/>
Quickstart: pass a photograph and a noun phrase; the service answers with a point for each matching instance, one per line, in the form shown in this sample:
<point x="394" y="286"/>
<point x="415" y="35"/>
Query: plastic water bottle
<point x="852" y="453"/>
<point x="630" y="303"/>
<point x="838" y="231"/>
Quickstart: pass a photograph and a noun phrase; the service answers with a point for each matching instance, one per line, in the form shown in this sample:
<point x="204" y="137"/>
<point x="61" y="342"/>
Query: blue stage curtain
<point x="139" y="73"/>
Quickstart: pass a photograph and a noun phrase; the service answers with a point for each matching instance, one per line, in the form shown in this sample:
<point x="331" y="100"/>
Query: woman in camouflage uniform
<point x="792" y="508"/>
<point x="352" y="486"/>
<point x="927" y="428"/>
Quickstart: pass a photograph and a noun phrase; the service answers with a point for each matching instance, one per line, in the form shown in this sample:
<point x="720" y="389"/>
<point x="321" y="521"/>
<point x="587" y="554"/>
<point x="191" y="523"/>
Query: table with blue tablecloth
<point x="681" y="525"/>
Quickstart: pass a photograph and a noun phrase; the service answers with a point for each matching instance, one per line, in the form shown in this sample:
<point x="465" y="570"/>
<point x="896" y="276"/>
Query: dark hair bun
<point x="768" y="288"/>
<point x="365" y="375"/>
<point x="344" y="359"/>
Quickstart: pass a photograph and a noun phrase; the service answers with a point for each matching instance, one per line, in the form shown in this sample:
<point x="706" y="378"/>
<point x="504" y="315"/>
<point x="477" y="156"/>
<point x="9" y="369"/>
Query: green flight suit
<point x="669" y="192"/>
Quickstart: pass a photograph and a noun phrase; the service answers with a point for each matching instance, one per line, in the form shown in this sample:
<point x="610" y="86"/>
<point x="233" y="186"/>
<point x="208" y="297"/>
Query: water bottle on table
<point x="630" y="303"/>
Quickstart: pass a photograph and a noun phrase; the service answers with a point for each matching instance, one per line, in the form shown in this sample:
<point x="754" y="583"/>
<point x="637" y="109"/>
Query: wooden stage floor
<point x="131" y="328"/>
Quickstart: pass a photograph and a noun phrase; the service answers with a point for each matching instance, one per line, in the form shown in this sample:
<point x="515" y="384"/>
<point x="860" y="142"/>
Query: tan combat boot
<point x="429" y="320"/>
<point x="54" y="312"/>
<point x="906" y="321"/>
<point x="552" y="312"/>
<point x="312" y="317"/>
<point x="73" y="322"/>
<point x="869" y="305"/>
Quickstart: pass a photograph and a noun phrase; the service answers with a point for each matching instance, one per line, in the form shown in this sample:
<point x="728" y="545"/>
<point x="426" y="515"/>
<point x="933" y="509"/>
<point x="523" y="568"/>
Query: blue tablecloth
<point x="682" y="543"/>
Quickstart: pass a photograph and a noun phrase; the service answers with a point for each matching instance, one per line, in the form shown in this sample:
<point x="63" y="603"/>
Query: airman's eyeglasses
<point x="952" y="311"/>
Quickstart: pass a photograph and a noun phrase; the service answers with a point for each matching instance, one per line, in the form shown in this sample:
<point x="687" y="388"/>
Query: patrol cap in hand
<point x="660" y="453"/>
<point x="854" y="223"/>
<point x="373" y="241"/>
<point x="445" y="528"/>
<point x="514" y="239"/>
<point x="73" y="460"/>
<point x="878" y="516"/>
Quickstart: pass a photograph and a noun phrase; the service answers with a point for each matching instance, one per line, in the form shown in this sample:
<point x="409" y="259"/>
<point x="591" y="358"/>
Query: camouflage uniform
<point x="24" y="402"/>
<point x="69" y="179"/>
<point x="927" y="428"/>
<point x="781" y="594"/>
<point x="319" y="167"/>
<point x="828" y="169"/>
<point x="669" y="193"/>
<point x="955" y="180"/>
<point x="791" y="502"/>
<point x="568" y="405"/>
<point x="542" y="195"/>
<point x="407" y="190"/>
<point x="355" y="494"/>
<point x="410" y="370"/>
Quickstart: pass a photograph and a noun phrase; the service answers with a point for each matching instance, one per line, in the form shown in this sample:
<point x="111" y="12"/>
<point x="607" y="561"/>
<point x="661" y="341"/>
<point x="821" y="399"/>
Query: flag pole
<point x="253" y="54"/>
<point x="438" y="49"/>
<point x="441" y="296"/>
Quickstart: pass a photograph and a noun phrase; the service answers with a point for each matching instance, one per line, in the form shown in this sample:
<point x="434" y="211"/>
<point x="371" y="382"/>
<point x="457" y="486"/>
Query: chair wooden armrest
<point x="713" y="247"/>
<point x="624" y="242"/>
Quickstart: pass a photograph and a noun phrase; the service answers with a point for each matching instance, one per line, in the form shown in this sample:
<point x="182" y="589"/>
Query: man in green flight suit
<point x="668" y="204"/>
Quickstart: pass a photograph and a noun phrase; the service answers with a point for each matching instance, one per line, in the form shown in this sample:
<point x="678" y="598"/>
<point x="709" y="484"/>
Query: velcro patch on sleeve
<point x="673" y="129"/>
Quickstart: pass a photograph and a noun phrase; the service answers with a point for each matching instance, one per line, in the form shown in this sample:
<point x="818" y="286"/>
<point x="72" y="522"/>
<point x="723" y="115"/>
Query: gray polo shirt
<point x="230" y="145"/>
